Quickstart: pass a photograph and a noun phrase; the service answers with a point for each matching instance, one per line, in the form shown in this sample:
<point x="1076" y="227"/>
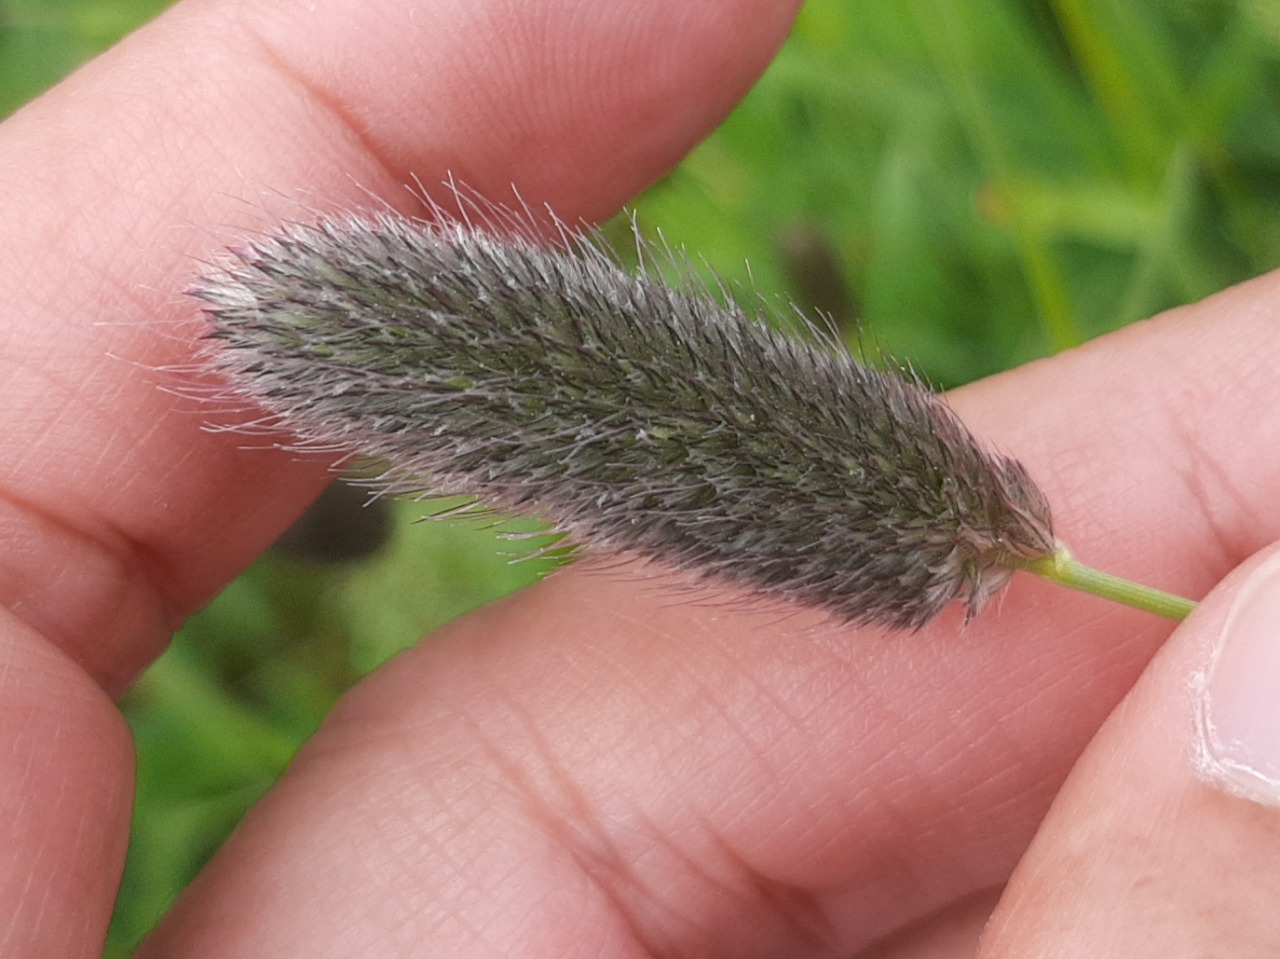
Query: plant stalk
<point x="1064" y="569"/>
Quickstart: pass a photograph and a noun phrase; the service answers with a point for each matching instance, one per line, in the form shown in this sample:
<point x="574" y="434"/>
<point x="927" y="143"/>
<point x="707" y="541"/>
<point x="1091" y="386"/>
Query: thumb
<point x="1165" y="840"/>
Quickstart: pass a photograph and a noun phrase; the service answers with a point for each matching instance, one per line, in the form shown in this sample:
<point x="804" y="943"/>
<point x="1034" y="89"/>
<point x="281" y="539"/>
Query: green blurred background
<point x="965" y="184"/>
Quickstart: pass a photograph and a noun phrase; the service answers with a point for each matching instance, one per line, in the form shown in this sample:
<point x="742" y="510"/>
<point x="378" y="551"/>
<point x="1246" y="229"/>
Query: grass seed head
<point x="635" y="416"/>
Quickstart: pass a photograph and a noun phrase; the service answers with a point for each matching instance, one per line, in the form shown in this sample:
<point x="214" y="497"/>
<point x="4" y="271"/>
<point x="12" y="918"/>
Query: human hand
<point x="597" y="765"/>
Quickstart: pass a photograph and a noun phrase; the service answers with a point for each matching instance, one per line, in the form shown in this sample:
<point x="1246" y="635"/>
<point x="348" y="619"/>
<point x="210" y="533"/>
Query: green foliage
<point x="972" y="184"/>
<point x="1000" y="179"/>
<point x="42" y="40"/>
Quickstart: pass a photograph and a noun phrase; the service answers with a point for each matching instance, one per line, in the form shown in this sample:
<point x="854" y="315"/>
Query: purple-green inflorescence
<point x="637" y="417"/>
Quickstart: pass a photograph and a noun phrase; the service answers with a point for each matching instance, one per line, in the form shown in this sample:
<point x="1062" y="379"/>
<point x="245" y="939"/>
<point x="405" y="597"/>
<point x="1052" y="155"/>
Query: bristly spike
<point x="636" y="417"/>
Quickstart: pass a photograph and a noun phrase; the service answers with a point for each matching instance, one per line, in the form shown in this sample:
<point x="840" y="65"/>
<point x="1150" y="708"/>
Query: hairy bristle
<point x="635" y="416"/>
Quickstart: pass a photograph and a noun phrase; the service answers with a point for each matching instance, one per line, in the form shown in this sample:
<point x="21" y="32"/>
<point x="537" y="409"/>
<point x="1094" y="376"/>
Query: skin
<point x="598" y="766"/>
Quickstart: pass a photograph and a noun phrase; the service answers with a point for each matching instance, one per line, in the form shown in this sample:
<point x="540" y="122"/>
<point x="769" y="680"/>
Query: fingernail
<point x="1239" y="728"/>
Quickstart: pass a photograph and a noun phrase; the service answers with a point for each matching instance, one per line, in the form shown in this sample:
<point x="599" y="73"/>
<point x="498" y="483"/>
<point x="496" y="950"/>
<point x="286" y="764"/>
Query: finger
<point x="129" y="515"/>
<point x="65" y="800"/>
<point x="1151" y="849"/>
<point x="716" y="776"/>
<point x="119" y="514"/>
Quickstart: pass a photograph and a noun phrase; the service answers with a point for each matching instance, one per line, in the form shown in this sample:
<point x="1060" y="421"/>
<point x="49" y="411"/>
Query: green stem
<point x="1064" y="569"/>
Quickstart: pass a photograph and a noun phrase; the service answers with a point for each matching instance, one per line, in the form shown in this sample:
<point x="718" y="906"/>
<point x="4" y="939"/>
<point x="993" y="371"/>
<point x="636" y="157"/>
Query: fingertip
<point x="1238" y="693"/>
<point x="1150" y="849"/>
<point x="578" y="105"/>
